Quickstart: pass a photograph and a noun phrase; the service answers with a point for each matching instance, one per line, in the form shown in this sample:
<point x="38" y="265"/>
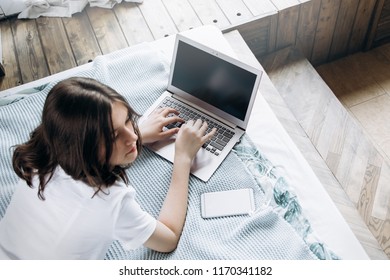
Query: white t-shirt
<point x="70" y="223"/>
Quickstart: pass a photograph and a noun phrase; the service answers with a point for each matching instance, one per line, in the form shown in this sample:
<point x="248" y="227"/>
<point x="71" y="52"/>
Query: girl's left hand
<point x="151" y="128"/>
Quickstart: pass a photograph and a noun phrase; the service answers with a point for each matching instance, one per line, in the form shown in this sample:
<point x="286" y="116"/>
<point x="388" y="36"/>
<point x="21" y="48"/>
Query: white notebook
<point x="227" y="203"/>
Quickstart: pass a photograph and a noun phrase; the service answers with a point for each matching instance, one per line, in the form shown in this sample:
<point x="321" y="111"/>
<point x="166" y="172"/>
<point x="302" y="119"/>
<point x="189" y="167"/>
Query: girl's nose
<point x="131" y="136"/>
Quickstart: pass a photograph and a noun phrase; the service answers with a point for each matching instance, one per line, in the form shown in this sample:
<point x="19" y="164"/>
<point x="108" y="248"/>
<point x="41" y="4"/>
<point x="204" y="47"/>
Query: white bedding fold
<point x="63" y="8"/>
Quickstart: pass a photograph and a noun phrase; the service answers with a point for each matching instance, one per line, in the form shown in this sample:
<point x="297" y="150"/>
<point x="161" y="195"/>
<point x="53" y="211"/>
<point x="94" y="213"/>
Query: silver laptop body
<point x="215" y="86"/>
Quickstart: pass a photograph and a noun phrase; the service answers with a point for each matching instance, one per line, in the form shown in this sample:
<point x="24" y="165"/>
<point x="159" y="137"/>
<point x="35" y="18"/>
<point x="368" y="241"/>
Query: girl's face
<point x="125" y="143"/>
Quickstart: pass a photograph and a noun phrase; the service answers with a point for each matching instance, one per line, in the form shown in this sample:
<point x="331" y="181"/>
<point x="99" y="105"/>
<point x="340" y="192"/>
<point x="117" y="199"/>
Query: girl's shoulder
<point x="121" y="188"/>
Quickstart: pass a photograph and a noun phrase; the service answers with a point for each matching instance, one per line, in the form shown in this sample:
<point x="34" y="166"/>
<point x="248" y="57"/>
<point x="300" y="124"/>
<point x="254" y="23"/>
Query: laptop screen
<point x="213" y="80"/>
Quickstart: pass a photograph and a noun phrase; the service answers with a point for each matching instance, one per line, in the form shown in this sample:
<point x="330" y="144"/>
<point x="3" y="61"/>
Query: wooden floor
<point x="323" y="29"/>
<point x="361" y="170"/>
<point x="33" y="49"/>
<point x="362" y="84"/>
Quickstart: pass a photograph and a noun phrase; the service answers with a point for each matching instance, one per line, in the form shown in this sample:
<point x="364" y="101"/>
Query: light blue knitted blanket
<point x="277" y="230"/>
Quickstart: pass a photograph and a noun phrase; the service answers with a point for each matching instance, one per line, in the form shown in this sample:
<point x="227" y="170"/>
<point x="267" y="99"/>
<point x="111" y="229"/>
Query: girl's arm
<point x="190" y="138"/>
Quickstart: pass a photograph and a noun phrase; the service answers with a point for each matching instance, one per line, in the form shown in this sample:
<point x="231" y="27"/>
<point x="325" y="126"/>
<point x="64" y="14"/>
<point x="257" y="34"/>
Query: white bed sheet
<point x="271" y="138"/>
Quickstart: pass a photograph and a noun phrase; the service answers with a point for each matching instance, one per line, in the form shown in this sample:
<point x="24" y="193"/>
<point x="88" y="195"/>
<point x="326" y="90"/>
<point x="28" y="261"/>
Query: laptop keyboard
<point x="220" y="139"/>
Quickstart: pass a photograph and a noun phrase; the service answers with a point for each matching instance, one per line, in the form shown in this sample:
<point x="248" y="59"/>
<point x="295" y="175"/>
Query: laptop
<point x="209" y="85"/>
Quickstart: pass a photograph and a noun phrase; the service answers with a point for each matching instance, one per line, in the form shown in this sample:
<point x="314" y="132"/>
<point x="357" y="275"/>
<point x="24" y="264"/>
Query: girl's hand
<point x="151" y="129"/>
<point x="191" y="137"/>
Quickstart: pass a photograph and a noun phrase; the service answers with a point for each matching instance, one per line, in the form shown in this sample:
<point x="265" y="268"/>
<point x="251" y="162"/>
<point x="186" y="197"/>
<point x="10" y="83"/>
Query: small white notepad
<point x="227" y="203"/>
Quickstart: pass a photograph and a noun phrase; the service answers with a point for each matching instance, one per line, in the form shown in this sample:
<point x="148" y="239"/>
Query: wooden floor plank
<point x="12" y="76"/>
<point x="376" y="64"/>
<point x="345" y="21"/>
<point x="260" y="8"/>
<point x="132" y="23"/>
<point x="284" y="4"/>
<point x="361" y="25"/>
<point x="325" y="28"/>
<point x="386" y="228"/>
<point x="210" y="13"/>
<point x="158" y="19"/>
<point x="235" y="10"/>
<point x="182" y="14"/>
<point x="307" y="26"/>
<point x="382" y="195"/>
<point x="361" y="86"/>
<point x="29" y="50"/>
<point x="338" y="133"/>
<point x="359" y="171"/>
<point x="331" y="127"/>
<point x="366" y="201"/>
<point x="107" y="30"/>
<point x="55" y="44"/>
<point x="81" y="38"/>
<point x="259" y="33"/>
<point x="287" y="27"/>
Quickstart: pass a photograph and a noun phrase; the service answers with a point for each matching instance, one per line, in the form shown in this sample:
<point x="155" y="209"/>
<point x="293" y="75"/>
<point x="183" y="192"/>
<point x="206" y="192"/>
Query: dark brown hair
<point x="76" y="124"/>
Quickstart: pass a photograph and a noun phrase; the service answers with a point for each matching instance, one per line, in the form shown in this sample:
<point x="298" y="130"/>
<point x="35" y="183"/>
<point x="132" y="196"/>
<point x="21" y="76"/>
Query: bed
<point x="294" y="218"/>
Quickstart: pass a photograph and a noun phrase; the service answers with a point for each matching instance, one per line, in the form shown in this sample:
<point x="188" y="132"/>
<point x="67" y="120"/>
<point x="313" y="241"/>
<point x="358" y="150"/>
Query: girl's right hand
<point x="191" y="137"/>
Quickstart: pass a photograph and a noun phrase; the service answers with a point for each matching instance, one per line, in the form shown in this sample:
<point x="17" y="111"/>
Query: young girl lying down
<point x="73" y="199"/>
